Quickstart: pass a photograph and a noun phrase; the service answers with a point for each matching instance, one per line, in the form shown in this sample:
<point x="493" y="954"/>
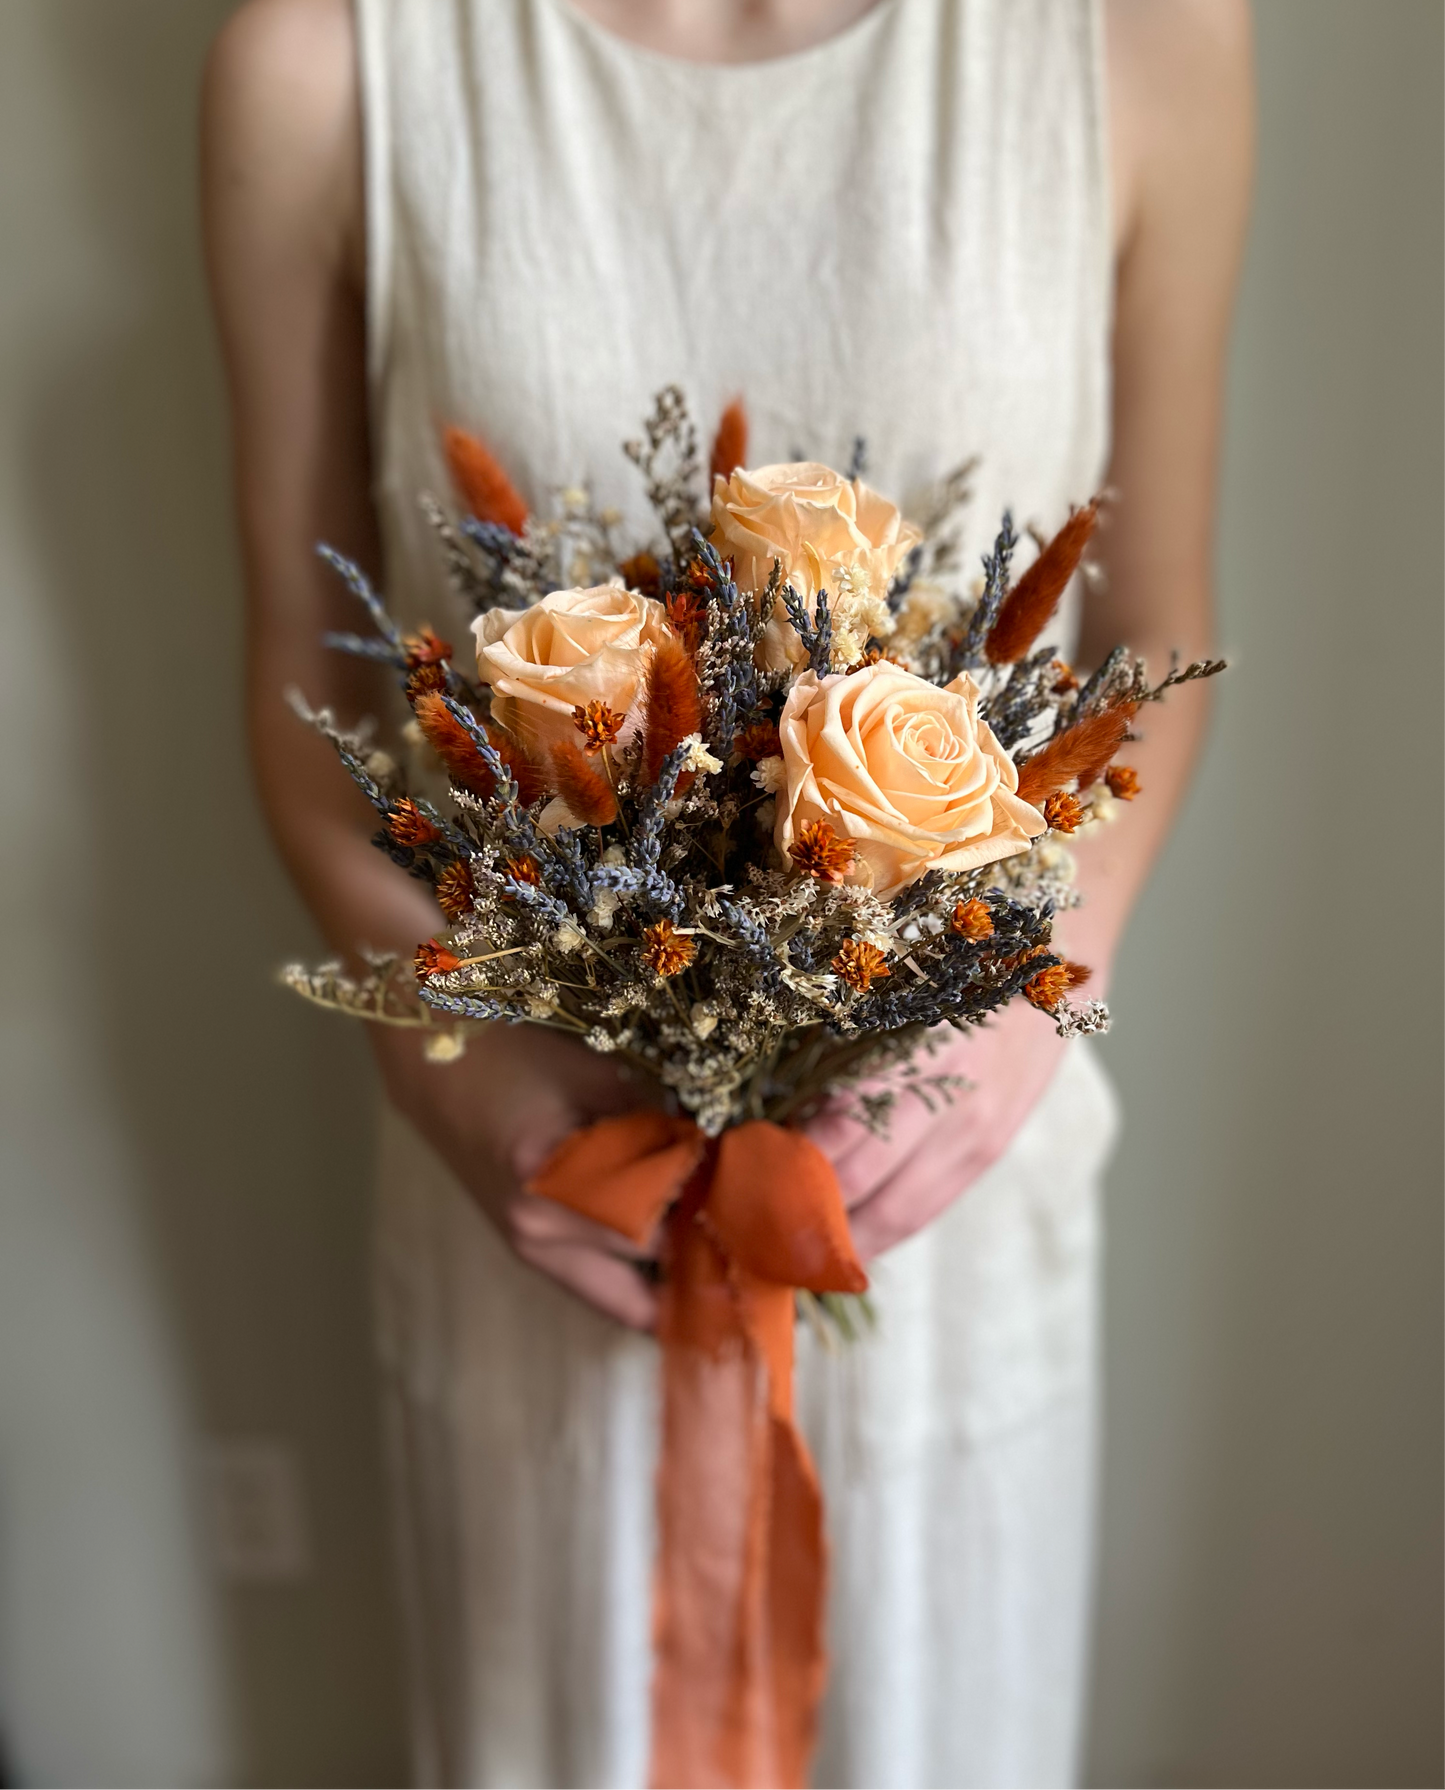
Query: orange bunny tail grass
<point x="481" y="481"/>
<point x="457" y="750"/>
<point x="582" y="786"/>
<point x="730" y="445"/>
<point x="674" y="706"/>
<point x="453" y="745"/>
<point x="526" y="773"/>
<point x="1036" y="595"/>
<point x="1081" y="751"/>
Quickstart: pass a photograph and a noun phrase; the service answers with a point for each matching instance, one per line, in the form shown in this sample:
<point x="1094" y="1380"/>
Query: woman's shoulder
<point x="280" y="116"/>
<point x="1180" y="90"/>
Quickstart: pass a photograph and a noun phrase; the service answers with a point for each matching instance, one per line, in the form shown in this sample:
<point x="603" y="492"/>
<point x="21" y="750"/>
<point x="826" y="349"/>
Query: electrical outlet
<point x="258" y="1510"/>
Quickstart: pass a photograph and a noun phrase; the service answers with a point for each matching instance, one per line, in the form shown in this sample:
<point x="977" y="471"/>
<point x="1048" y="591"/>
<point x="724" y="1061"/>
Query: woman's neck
<point x="725" y="30"/>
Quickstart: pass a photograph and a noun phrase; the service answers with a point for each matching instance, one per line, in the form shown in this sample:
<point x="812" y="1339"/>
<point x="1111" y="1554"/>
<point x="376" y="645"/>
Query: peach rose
<point x="905" y="770"/>
<point x="574" y="647"/>
<point x="828" y="533"/>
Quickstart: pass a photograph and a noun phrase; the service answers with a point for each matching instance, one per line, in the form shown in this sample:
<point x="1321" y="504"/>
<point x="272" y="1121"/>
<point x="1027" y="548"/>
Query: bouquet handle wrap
<point x="741" y="1574"/>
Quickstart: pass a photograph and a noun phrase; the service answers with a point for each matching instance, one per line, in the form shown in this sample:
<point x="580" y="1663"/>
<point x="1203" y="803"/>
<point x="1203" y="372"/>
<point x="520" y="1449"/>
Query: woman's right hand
<point x="494" y="1116"/>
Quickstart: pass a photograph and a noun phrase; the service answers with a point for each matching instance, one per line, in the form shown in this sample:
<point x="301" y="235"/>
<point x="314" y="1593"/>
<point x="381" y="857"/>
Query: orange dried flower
<point x="525" y="870"/>
<point x="818" y="851"/>
<point x="667" y="949"/>
<point x="642" y="573"/>
<point x="426" y="680"/>
<point x="858" y="963"/>
<point x="598" y="724"/>
<point x="1064" y="679"/>
<point x="455" y="890"/>
<point x="425" y="648"/>
<point x="686" y="613"/>
<point x="434" y="959"/>
<point x="972" y="920"/>
<point x="409" y="826"/>
<point x="1063" y="812"/>
<point x="1123" y="782"/>
<point x="1049" y="987"/>
<point x="759" y="741"/>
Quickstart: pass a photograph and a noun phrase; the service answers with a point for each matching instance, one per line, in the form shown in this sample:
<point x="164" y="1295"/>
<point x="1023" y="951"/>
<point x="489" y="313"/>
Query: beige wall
<point x="182" y="1253"/>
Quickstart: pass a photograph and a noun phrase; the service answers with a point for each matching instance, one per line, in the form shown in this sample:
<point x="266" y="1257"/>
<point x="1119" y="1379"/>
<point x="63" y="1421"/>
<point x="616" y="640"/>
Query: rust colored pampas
<point x="482" y="482"/>
<point x="580" y="784"/>
<point x="1081" y="751"/>
<point x="730" y="444"/>
<point x="452" y="744"/>
<point x="1036" y="595"/>
<point x="673" y="706"/>
<point x="465" y="766"/>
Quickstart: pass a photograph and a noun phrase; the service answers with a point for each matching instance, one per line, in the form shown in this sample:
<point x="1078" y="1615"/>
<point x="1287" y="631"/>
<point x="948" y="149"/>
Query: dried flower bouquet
<point x="757" y="808"/>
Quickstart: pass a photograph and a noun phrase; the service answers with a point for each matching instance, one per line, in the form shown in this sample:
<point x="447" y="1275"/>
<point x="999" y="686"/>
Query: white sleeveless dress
<point x="901" y="234"/>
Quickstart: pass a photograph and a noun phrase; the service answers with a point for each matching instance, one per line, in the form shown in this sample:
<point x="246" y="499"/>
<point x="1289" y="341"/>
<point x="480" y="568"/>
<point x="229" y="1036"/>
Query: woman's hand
<point x="894" y="1186"/>
<point x="494" y="1117"/>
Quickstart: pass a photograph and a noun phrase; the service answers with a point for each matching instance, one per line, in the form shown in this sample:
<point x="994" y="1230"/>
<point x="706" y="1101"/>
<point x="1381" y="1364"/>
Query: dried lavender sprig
<point x="359" y="585"/>
<point x="645" y="846"/>
<point x="903" y="579"/>
<point x="815" y="631"/>
<point x="465" y="1006"/>
<point x="995" y="588"/>
<point x="365" y="646"/>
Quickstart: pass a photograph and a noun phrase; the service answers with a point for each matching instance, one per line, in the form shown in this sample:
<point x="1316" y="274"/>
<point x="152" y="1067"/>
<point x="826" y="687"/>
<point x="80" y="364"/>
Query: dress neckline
<point x="791" y="62"/>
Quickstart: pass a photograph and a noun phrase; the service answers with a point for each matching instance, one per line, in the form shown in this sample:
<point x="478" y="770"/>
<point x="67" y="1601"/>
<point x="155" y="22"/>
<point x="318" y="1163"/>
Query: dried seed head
<point x="425" y="648"/>
<point x="455" y="890"/>
<point x="666" y="949"/>
<point x="972" y="920"/>
<point x="1063" y="812"/>
<point x="1123" y="782"/>
<point x="858" y="963"/>
<point x="598" y="724"/>
<point x="818" y="851"/>
<point x="407" y="824"/>
<point x="434" y="959"/>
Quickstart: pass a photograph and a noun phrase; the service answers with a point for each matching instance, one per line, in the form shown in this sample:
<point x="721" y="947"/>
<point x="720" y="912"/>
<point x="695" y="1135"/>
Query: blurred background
<point x="194" y="1584"/>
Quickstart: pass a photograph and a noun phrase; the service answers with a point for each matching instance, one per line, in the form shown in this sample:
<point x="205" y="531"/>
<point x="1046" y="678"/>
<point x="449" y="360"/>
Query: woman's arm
<point x="284" y="233"/>
<point x="1182" y="128"/>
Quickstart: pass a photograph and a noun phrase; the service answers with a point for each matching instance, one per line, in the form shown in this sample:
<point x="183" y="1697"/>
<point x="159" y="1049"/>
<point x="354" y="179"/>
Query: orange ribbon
<point x="741" y="1574"/>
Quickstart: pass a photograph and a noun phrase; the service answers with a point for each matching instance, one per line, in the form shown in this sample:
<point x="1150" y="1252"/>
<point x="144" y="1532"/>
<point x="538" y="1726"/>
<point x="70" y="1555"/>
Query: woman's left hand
<point x="895" y="1185"/>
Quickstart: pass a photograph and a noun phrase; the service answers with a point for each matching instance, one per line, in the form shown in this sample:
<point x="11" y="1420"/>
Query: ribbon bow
<point x="741" y="1572"/>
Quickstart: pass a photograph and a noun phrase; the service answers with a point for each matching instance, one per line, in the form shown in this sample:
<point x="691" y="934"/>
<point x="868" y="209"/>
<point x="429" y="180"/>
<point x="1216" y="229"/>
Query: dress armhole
<point x="371" y="55"/>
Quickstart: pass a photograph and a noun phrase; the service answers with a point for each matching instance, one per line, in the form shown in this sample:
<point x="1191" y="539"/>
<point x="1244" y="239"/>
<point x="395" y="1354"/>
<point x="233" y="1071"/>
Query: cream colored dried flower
<point x="769" y="775"/>
<point x="698" y="757"/>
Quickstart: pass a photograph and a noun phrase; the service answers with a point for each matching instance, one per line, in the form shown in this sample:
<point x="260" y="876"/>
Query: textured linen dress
<point x="900" y="234"/>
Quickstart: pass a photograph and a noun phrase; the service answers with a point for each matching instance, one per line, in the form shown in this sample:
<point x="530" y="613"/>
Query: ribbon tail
<point x="742" y="1559"/>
